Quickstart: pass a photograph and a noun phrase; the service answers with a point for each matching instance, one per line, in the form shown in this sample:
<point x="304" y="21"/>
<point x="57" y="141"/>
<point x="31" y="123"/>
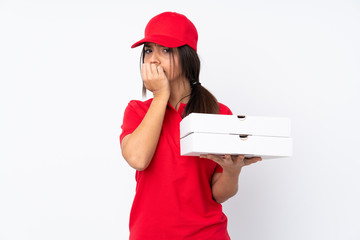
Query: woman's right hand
<point x="138" y="147"/>
<point x="155" y="80"/>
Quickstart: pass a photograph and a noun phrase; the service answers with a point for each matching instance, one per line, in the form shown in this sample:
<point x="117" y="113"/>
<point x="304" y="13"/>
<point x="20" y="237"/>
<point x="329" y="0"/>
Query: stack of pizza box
<point x="266" y="137"/>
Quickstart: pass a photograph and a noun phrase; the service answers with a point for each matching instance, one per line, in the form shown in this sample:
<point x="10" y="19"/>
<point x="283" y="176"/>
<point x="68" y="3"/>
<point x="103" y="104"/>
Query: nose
<point x="154" y="59"/>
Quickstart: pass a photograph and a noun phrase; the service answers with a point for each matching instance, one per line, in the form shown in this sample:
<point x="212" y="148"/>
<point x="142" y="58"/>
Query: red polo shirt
<point x="173" y="198"/>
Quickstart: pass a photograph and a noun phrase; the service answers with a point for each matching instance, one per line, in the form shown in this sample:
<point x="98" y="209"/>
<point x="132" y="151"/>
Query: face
<point x="167" y="58"/>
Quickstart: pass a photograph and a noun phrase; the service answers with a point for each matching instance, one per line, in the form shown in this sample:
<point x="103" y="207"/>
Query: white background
<point x="67" y="73"/>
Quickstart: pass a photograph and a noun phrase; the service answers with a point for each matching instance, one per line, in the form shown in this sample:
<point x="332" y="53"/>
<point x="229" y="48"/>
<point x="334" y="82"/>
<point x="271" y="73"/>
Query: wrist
<point x="160" y="100"/>
<point x="231" y="173"/>
<point x="161" y="96"/>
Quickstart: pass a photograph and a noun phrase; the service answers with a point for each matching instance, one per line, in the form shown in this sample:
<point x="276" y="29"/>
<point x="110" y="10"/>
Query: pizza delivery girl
<point x="177" y="197"/>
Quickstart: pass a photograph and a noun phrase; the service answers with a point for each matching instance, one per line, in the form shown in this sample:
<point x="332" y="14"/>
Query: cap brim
<point x="161" y="40"/>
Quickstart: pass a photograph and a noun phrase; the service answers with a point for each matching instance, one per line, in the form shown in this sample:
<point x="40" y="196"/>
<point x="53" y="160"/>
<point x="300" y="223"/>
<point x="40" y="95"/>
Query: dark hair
<point x="201" y="100"/>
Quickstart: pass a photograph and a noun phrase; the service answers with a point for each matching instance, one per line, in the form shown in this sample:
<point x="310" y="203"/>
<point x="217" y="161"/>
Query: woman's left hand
<point x="232" y="163"/>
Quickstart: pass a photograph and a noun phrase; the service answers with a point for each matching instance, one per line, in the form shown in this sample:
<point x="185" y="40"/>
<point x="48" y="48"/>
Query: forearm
<point x="225" y="187"/>
<point x="139" y="147"/>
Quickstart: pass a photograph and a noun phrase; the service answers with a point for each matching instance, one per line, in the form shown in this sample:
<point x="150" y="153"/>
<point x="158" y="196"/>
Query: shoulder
<point x="223" y="109"/>
<point x="137" y="108"/>
<point x="139" y="105"/>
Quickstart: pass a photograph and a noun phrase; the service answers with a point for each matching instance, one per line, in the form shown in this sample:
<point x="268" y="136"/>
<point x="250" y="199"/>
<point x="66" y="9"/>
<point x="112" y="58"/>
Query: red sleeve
<point x="133" y="115"/>
<point x="223" y="109"/>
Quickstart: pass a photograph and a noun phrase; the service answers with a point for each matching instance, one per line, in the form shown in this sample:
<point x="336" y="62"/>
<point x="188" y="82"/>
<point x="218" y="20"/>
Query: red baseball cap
<point x="170" y="29"/>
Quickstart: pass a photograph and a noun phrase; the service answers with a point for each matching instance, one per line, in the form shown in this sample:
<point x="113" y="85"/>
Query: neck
<point x="179" y="92"/>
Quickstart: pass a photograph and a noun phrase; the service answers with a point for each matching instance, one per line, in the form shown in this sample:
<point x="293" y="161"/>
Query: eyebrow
<point x="153" y="45"/>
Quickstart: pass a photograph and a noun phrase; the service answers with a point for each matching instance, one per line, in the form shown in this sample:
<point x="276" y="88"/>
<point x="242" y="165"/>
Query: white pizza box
<point x="235" y="124"/>
<point x="196" y="144"/>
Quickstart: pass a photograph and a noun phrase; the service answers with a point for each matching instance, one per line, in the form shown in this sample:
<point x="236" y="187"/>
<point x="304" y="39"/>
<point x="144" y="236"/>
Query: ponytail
<point x="201" y="100"/>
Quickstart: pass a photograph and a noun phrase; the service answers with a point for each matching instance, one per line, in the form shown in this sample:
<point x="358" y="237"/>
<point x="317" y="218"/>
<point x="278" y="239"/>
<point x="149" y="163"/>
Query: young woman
<point x="177" y="197"/>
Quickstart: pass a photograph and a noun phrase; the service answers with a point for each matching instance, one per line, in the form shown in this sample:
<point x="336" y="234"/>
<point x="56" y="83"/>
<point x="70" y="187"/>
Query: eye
<point x="166" y="50"/>
<point x="147" y="51"/>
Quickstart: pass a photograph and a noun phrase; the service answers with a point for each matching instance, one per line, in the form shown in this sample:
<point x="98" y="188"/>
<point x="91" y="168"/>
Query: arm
<point x="139" y="147"/>
<point x="225" y="184"/>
